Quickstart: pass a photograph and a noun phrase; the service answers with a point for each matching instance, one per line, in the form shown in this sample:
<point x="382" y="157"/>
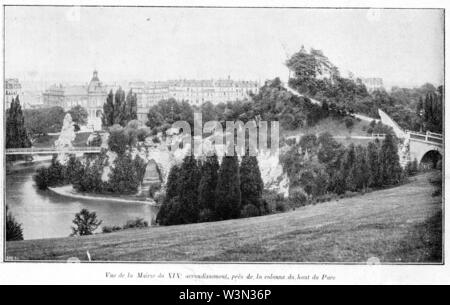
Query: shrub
<point x="298" y="198"/>
<point x="206" y="215"/>
<point x="280" y="206"/>
<point x="412" y="168"/>
<point x="135" y="223"/>
<point x="111" y="229"/>
<point x="250" y="210"/>
<point x="272" y="200"/>
<point x="14" y="230"/>
<point x="154" y="187"/>
<point x="85" y="223"/>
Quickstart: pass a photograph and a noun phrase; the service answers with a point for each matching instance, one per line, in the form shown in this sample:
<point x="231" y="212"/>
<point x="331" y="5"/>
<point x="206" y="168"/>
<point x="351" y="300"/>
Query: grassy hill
<point x="401" y="224"/>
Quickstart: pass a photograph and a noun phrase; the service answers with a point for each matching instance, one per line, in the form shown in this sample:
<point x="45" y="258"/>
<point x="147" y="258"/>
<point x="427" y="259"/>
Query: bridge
<point x="415" y="145"/>
<point x="53" y="150"/>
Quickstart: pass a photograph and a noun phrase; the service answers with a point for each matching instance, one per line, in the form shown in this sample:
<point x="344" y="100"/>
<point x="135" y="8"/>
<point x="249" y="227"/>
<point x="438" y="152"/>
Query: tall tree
<point x="16" y="133"/>
<point x="251" y="183"/>
<point x="130" y="107"/>
<point x="389" y="162"/>
<point x="228" y="191"/>
<point x="108" y="110"/>
<point x="188" y="190"/>
<point x="208" y="184"/>
<point x="172" y="189"/>
<point x="373" y="165"/>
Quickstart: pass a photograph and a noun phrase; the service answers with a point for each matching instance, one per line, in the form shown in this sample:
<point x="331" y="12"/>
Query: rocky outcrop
<point x="65" y="139"/>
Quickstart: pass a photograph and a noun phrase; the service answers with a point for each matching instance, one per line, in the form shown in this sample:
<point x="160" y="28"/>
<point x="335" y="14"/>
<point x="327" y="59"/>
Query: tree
<point x="373" y="164"/>
<point x="41" y="121"/>
<point x="118" y="140"/>
<point x="16" y="133"/>
<point x="130" y="107"/>
<point x="124" y="178"/>
<point x="85" y="223"/>
<point x="108" y="110"/>
<point x="208" y="184"/>
<point x="228" y="192"/>
<point x="79" y="115"/>
<point x="348" y="168"/>
<point x="165" y="214"/>
<point x="390" y="169"/>
<point x="188" y="190"/>
<point x="328" y="147"/>
<point x="252" y="185"/>
<point x="14" y="230"/>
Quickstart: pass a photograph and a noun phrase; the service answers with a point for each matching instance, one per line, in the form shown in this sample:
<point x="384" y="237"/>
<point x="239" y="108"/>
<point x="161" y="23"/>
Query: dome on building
<point x="95" y="84"/>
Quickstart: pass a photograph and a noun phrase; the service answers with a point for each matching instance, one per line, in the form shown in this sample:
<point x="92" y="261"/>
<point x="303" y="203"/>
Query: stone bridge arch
<point x="419" y="150"/>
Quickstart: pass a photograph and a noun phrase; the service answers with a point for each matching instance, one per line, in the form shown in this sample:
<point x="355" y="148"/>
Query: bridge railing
<point x="53" y="149"/>
<point x="427" y="137"/>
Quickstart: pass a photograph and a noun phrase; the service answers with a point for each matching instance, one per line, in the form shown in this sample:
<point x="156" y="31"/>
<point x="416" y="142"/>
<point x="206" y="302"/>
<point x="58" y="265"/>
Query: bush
<point x="85" y="223"/>
<point x="53" y="175"/>
<point x="206" y="215"/>
<point x="412" y="168"/>
<point x="250" y="210"/>
<point x="112" y="229"/>
<point x="154" y="187"/>
<point x="136" y="223"/>
<point x="272" y="201"/>
<point x="280" y="206"/>
<point x="14" y="230"/>
<point x="298" y="198"/>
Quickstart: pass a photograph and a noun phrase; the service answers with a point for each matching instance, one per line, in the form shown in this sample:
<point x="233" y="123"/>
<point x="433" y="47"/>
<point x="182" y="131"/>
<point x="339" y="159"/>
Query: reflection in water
<point x="44" y="214"/>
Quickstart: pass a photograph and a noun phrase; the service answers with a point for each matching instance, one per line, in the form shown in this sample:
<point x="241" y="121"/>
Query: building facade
<point x="13" y="88"/>
<point x="195" y="92"/>
<point x="373" y="83"/>
<point x="91" y="97"/>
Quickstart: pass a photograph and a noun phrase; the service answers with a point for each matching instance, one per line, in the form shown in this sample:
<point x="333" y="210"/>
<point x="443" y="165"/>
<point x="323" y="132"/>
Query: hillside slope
<point x="401" y="224"/>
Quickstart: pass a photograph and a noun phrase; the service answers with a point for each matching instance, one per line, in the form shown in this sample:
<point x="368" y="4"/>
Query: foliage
<point x="412" y="168"/>
<point x="188" y="190"/>
<point x="54" y="175"/>
<point x="40" y="122"/>
<point x="79" y="115"/>
<point x="228" y="192"/>
<point x="85" y="223"/>
<point x="126" y="175"/>
<point x="16" y="133"/>
<point x="137" y="223"/>
<point x="14" y="231"/>
<point x="251" y="184"/>
<point x="208" y="184"/>
<point x="119" y="109"/>
<point x="250" y="210"/>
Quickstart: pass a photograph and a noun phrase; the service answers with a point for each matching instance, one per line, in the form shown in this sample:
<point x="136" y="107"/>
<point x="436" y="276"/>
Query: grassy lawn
<point x="401" y="224"/>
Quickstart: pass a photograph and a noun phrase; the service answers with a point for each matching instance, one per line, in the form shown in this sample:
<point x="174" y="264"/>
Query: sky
<point x="65" y="44"/>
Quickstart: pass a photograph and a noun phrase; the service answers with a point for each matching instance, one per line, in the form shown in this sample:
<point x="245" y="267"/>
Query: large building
<point x="373" y="83"/>
<point x="13" y="88"/>
<point x="195" y="92"/>
<point x="91" y="97"/>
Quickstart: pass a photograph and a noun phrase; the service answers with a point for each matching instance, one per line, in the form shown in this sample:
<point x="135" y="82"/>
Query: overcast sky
<point x="404" y="47"/>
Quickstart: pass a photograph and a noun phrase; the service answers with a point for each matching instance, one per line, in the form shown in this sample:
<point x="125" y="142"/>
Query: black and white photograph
<point x="223" y="135"/>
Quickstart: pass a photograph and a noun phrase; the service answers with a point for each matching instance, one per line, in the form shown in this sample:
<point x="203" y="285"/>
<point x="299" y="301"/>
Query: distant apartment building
<point x="91" y="97"/>
<point x="372" y="83"/>
<point x="195" y="92"/>
<point x="13" y="88"/>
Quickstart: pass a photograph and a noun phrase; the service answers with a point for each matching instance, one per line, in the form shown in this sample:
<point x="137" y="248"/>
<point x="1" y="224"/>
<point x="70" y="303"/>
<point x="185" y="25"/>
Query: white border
<point x="55" y="273"/>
